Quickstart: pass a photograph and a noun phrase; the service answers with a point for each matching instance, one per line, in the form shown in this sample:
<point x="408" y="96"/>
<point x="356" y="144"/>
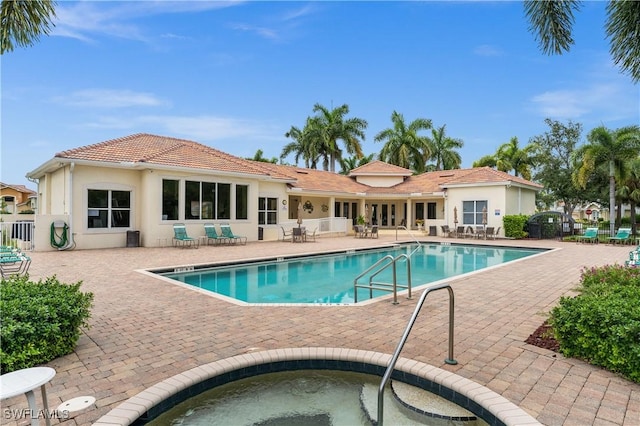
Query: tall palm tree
<point x="612" y="148"/>
<point x="552" y="23"/>
<point x="510" y="157"/>
<point x="629" y="191"/>
<point x="403" y="146"/>
<point x="24" y="21"/>
<point x="443" y="150"/>
<point x="330" y="126"/>
<point x="303" y="145"/>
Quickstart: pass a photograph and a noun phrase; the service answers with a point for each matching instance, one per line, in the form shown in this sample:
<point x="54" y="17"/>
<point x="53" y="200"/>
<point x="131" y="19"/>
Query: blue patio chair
<point x="623" y="236"/>
<point x="181" y="238"/>
<point x="13" y="262"/>
<point x="212" y="234"/>
<point x="590" y="236"/>
<point x="227" y="233"/>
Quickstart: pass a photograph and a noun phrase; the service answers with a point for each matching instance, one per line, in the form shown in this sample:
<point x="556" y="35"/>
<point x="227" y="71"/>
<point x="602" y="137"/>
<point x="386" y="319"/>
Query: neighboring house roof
<point x="146" y="150"/>
<point x="19" y="188"/>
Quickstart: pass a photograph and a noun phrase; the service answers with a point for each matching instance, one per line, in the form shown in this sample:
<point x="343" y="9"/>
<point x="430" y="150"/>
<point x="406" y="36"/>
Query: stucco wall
<point x="495" y="196"/>
<point x="380" y="181"/>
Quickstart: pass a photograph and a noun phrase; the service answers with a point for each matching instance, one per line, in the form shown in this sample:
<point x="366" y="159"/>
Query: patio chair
<point x="286" y="235"/>
<point x="460" y="231"/>
<point x="493" y="234"/>
<point x="13" y="262"/>
<point x="590" y="236"/>
<point x="312" y="236"/>
<point x="359" y="231"/>
<point x="373" y="233"/>
<point x="469" y="232"/>
<point x="446" y="231"/>
<point x="212" y="234"/>
<point x="181" y="238"/>
<point x="623" y="236"/>
<point x="228" y="233"/>
<point x="634" y="258"/>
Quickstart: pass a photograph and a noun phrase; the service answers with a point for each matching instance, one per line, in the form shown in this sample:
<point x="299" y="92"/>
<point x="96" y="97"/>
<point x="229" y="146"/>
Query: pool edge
<point x="131" y="410"/>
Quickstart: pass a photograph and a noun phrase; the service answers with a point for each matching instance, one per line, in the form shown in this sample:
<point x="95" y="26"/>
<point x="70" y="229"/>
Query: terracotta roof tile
<point x="377" y="167"/>
<point x="161" y="150"/>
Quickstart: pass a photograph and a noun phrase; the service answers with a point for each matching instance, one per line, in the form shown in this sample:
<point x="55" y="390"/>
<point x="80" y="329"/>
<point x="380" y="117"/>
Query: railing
<point x="383" y="264"/>
<point x="17" y="234"/>
<point x="450" y="360"/>
<point x="413" y="237"/>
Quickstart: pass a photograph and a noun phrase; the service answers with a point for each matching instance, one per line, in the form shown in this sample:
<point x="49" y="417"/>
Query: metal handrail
<point x="395" y="285"/>
<point x="396" y="354"/>
<point x="366" y="271"/>
<point x="415" y="239"/>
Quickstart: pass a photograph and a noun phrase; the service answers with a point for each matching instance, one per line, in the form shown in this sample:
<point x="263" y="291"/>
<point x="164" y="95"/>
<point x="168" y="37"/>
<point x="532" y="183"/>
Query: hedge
<point x="40" y="320"/>
<point x="602" y="324"/>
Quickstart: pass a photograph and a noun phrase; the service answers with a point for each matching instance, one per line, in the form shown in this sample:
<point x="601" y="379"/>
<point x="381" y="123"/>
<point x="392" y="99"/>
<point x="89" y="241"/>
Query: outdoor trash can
<point x="133" y="238"/>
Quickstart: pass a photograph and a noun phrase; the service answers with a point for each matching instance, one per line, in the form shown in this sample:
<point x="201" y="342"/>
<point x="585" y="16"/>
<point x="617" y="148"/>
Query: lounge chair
<point x="493" y="234"/>
<point x="623" y="236"/>
<point x="228" y="233"/>
<point x="13" y="262"/>
<point x="212" y="235"/>
<point x="590" y="236"/>
<point x="181" y="238"/>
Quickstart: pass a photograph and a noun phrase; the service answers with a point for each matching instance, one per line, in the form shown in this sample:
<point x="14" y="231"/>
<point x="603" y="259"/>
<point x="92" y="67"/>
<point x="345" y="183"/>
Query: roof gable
<point x="377" y="168"/>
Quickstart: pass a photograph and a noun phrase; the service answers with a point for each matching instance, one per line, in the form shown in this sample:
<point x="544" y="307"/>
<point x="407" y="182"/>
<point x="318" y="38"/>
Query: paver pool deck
<point x="145" y="330"/>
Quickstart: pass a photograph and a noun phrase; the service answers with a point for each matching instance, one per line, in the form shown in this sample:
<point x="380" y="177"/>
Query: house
<point x="15" y="199"/>
<point x="143" y="184"/>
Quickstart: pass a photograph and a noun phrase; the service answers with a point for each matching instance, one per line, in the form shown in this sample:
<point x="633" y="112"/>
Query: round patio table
<point x="25" y="381"/>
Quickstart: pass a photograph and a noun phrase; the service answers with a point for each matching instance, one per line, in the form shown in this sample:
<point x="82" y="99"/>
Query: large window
<point x="431" y="210"/>
<point x="472" y="212"/>
<point x="267" y="211"/>
<point x="170" y="194"/>
<point x="207" y="200"/>
<point x="242" y="202"/>
<point x="108" y="209"/>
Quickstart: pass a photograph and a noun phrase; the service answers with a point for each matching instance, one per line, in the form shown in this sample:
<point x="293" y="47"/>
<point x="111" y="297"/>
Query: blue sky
<point x="238" y="75"/>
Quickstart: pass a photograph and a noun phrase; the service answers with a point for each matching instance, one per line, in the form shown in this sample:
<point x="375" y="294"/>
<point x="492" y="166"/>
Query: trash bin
<point x="133" y="238"/>
<point x="260" y="233"/>
<point x="433" y="231"/>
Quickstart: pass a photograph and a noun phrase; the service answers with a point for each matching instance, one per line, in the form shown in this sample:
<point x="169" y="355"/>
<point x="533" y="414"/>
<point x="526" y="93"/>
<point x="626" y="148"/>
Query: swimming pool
<point x="329" y="279"/>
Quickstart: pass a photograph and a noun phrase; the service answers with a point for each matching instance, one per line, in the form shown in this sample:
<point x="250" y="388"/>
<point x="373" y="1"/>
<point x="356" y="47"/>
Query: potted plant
<point x="361" y="220"/>
<point x="419" y="223"/>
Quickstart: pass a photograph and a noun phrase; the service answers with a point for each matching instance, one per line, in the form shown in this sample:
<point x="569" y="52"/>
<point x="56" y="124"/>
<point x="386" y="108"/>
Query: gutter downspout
<point x="71" y="244"/>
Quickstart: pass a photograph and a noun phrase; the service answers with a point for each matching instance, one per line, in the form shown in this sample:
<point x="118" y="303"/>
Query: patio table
<point x="25" y="381"/>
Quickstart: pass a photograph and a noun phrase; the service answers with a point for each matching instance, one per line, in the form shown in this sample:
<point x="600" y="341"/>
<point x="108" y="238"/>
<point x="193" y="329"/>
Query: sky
<point x="237" y="75"/>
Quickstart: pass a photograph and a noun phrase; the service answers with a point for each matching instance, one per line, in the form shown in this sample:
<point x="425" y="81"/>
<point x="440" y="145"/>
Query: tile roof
<point x="162" y="150"/>
<point x="166" y="151"/>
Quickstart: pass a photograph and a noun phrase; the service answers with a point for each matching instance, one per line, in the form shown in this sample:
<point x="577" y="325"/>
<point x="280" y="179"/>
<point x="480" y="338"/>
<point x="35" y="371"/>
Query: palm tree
<point x="486" y="161"/>
<point x="329" y="126"/>
<point x="552" y="22"/>
<point x="629" y="191"/>
<point x="510" y="157"/>
<point x="350" y="163"/>
<point x="613" y="149"/>
<point x="259" y="156"/>
<point x="302" y="146"/>
<point x="443" y="150"/>
<point x="24" y="21"/>
<point x="402" y="144"/>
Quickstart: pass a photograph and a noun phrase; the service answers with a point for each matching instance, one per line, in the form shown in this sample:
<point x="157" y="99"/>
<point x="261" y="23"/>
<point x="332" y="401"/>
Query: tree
<point x="612" y="149"/>
<point x="330" y="126"/>
<point x="350" y="163"/>
<point x="302" y="146"/>
<point x="629" y="190"/>
<point x="258" y="156"/>
<point x="555" y="164"/>
<point x="24" y="21"/>
<point x="552" y="22"/>
<point x="403" y="146"/>
<point x="510" y="158"/>
<point x="442" y="149"/>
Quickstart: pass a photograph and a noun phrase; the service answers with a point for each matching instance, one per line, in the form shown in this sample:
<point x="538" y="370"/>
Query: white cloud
<point x="104" y="98"/>
<point x="487" y="50"/>
<point x="261" y="31"/>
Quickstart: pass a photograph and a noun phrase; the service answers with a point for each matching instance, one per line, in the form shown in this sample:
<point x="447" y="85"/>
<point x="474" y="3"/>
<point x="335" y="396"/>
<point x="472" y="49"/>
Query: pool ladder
<point x="450" y="360"/>
<point x="382" y="265"/>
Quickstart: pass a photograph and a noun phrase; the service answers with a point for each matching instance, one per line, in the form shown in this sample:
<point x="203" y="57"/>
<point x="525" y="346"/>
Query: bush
<point x="514" y="226"/>
<point x="40" y="320"/>
<point x="602" y="324"/>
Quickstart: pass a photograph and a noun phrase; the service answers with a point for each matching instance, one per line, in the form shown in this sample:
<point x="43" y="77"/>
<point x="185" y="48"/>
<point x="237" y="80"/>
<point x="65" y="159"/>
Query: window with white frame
<point x="108" y="208"/>
<point x="472" y="212"/>
<point x="207" y="200"/>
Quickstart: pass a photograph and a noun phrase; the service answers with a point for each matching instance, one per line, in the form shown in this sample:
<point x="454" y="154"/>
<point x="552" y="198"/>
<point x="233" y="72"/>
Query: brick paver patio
<point x="144" y="330"/>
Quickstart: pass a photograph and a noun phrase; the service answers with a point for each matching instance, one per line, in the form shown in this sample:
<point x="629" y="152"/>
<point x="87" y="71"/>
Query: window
<point x="267" y="211"/>
<point x="419" y="210"/>
<point x="431" y="210"/>
<point x="472" y="212"/>
<point x="242" y="202"/>
<point x="108" y="209"/>
<point x="170" y="193"/>
<point x="207" y="200"/>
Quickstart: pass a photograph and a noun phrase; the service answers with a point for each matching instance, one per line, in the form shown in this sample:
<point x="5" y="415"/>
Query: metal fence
<point x="18" y="234"/>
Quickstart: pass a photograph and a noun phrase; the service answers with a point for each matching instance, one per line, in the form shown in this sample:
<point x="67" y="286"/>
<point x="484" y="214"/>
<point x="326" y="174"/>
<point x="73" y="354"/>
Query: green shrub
<point x="514" y="226"/>
<point x="40" y="320"/>
<point x="602" y="324"/>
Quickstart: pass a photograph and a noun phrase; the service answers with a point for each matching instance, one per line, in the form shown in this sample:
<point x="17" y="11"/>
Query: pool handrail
<point x="450" y="360"/>
<point x="372" y="284"/>
<point x="365" y="272"/>
<point x="415" y="239"/>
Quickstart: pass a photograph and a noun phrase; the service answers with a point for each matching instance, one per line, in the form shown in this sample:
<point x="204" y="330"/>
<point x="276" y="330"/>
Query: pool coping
<point x="447" y="384"/>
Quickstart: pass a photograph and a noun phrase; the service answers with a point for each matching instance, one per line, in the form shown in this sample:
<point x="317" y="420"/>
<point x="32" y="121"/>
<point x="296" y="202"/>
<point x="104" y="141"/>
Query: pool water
<point x="309" y="398"/>
<point x="329" y="279"/>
